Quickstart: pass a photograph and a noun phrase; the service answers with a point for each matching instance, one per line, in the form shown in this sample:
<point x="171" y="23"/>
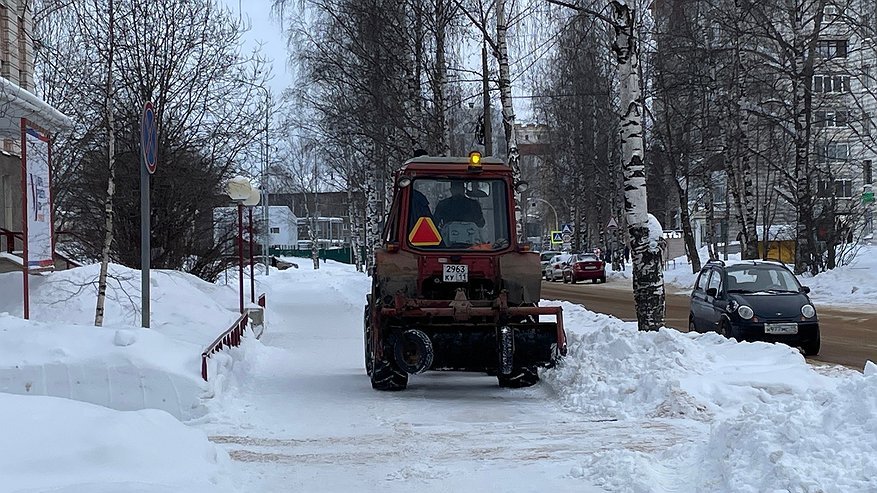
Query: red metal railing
<point x="231" y="337"/>
<point x="10" y="237"/>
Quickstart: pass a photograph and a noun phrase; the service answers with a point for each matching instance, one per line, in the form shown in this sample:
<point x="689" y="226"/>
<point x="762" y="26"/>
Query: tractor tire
<point x="387" y="376"/>
<point x="519" y="378"/>
<point x="367" y="339"/>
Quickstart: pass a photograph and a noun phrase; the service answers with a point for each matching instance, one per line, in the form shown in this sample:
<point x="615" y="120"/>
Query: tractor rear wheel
<point x="367" y="342"/>
<point x="519" y="378"/>
<point x="386" y="375"/>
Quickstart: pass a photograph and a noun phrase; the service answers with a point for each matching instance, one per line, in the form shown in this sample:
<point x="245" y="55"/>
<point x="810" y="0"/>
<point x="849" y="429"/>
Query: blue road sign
<point x="556" y="237"/>
<point x="149" y="138"/>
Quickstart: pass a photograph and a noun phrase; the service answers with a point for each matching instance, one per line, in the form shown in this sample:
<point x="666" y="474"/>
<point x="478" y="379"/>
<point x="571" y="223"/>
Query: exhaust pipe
<point x="413" y="352"/>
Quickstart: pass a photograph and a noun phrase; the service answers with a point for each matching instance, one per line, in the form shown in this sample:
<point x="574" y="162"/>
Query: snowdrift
<point x="764" y="419"/>
<point x="64" y="446"/>
<point x="121" y="366"/>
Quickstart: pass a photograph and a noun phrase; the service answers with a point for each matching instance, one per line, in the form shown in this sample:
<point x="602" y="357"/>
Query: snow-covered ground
<point x="851" y="285"/>
<point x="625" y="411"/>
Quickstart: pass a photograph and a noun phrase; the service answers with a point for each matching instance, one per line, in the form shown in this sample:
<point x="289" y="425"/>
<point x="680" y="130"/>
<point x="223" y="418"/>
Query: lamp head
<point x="238" y="188"/>
<point x="253" y="199"/>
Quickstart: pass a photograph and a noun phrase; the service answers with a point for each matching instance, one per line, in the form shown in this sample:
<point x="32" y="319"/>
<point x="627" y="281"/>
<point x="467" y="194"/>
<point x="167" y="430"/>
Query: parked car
<point x="545" y="260"/>
<point x="554" y="271"/>
<point x="754" y="300"/>
<point x="584" y="266"/>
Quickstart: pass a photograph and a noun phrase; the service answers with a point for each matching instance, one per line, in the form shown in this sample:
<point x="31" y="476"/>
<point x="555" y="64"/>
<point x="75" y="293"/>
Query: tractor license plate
<point x="455" y="273"/>
<point x="781" y="328"/>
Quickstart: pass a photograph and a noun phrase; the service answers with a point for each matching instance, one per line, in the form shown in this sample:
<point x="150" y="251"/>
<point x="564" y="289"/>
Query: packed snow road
<point x="302" y="414"/>
<point x="625" y="411"/>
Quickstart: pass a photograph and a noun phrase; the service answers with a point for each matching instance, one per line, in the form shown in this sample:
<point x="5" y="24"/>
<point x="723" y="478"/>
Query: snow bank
<point x="126" y="369"/>
<point x="850" y="284"/>
<point x="768" y="421"/>
<point x="121" y="365"/>
<point x="182" y="305"/>
<point x="59" y="445"/>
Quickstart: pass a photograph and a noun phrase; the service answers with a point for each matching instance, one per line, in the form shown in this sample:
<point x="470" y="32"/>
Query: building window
<point x="832" y="118"/>
<point x="834" y="48"/>
<point x="275" y="231"/>
<point x="866" y="172"/>
<point x="834" y="152"/>
<point x="831" y="83"/>
<point x="866" y="76"/>
<point x="22" y="55"/>
<point x="840" y="189"/>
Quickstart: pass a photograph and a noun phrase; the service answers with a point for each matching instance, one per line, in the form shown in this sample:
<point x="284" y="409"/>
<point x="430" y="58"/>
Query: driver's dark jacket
<point x="458" y="208"/>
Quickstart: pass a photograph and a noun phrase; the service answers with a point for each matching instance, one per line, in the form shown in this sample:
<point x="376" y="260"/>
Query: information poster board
<point x="36" y="154"/>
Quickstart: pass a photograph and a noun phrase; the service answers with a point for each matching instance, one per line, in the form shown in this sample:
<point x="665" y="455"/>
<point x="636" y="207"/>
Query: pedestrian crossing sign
<point x="567" y="228"/>
<point x="557" y="237"/>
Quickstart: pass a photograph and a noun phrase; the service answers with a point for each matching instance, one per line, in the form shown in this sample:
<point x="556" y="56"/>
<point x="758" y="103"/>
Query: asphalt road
<point x="849" y="337"/>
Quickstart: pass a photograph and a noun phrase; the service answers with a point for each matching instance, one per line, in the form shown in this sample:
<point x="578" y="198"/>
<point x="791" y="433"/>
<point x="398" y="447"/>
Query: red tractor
<point x="451" y="287"/>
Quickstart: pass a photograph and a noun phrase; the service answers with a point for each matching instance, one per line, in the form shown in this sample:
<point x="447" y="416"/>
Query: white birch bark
<point x="740" y="168"/>
<point x="373" y="216"/>
<point x="111" y="180"/>
<point x="508" y="110"/>
<point x="314" y="236"/>
<point x="646" y="256"/>
<point x="440" y="93"/>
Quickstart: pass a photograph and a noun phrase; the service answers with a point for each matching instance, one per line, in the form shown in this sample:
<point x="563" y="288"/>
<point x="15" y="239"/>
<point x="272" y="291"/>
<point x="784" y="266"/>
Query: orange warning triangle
<point x="424" y="233"/>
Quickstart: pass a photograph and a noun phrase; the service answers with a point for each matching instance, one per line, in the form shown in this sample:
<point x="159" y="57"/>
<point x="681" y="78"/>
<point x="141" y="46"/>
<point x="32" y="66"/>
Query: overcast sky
<point x="266" y="31"/>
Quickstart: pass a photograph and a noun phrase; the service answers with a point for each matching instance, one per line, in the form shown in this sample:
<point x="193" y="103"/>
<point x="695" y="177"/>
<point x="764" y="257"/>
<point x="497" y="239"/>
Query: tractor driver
<point x="458" y="207"/>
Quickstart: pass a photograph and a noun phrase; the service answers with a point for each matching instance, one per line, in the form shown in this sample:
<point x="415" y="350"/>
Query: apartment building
<point x="845" y="114"/>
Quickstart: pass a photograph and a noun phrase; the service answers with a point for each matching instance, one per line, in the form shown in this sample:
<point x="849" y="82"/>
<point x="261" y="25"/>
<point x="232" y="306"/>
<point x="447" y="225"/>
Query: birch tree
<point x="109" y="104"/>
<point x="648" y="276"/>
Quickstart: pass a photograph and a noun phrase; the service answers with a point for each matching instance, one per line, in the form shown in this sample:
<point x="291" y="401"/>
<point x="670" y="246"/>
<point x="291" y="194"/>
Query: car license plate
<point x="590" y="267"/>
<point x="791" y="328"/>
<point x="455" y="273"/>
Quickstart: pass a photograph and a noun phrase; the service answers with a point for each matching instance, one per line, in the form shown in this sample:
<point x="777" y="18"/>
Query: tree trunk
<point x="111" y="180"/>
<point x="685" y="219"/>
<point x="315" y="221"/>
<point x="806" y="254"/>
<point x="508" y="110"/>
<point x="648" y="277"/>
<point x="740" y="168"/>
<point x="711" y="222"/>
<point x="441" y="79"/>
<point x="373" y="215"/>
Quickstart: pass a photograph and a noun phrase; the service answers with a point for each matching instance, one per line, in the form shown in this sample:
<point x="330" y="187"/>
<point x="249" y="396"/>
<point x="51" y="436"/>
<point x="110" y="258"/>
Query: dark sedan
<point x="754" y="301"/>
<point x="584" y="266"/>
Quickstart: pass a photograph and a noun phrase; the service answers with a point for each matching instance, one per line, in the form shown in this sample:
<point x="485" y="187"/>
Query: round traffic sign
<point x="149" y="138"/>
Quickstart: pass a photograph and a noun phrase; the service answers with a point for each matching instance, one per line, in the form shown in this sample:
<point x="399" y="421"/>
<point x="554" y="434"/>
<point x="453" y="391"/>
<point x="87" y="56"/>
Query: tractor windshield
<point x="458" y="214"/>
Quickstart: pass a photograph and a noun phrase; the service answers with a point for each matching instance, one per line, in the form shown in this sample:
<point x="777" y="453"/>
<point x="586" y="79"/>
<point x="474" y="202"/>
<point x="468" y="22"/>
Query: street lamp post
<point x="556" y="222"/>
<point x="252" y="200"/>
<point x="239" y="190"/>
<point x="266" y="241"/>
